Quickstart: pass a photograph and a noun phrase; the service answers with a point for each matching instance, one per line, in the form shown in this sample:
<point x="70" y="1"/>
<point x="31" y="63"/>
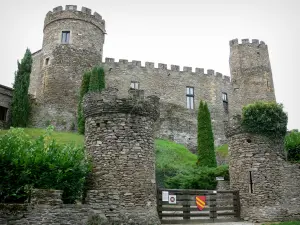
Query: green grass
<point x="284" y="223"/>
<point x="60" y="137"/>
<point x="222" y="150"/>
<point x="172" y="155"/>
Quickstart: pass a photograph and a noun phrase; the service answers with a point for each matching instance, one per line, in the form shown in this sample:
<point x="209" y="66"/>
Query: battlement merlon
<point x="254" y="42"/>
<point x="108" y="102"/>
<point x="111" y="63"/>
<point x="70" y="12"/>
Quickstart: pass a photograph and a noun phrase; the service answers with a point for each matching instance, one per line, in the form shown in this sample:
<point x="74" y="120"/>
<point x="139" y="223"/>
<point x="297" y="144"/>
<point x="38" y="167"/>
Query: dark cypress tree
<point x="206" y="151"/>
<point x="83" y="90"/>
<point x="101" y="78"/>
<point x="20" y="99"/>
<point x="94" y="81"/>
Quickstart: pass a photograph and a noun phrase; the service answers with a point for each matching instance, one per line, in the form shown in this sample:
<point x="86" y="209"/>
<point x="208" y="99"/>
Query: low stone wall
<point x="46" y="207"/>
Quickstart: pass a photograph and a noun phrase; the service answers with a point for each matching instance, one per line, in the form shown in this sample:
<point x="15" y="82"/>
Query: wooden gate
<point x="221" y="206"/>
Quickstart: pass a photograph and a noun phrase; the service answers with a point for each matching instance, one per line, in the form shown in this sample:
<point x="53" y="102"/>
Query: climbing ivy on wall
<point x="266" y="118"/>
<point x="92" y="81"/>
<point x="83" y="90"/>
<point x="20" y="99"/>
<point x="205" y="139"/>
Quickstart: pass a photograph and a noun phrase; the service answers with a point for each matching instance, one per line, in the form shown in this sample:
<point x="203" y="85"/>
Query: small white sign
<point x="165" y="196"/>
<point x="219" y="178"/>
<point x="172" y="199"/>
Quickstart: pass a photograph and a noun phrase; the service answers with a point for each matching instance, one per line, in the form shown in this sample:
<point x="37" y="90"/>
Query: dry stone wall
<point x="119" y="137"/>
<point x="268" y="185"/>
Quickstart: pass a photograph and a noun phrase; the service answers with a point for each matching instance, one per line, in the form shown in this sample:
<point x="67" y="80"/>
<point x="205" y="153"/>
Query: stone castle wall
<point x="176" y="121"/>
<point x="5" y="101"/>
<point x="274" y="194"/>
<point x="119" y="137"/>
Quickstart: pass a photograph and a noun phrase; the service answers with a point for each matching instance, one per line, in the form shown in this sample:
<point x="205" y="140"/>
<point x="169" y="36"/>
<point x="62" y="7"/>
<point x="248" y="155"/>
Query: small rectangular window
<point x="190" y="97"/>
<point x="3" y="113"/>
<point x="47" y="61"/>
<point x="65" y="37"/>
<point x="134" y="85"/>
<point x="250" y="182"/>
<point x="224" y="97"/>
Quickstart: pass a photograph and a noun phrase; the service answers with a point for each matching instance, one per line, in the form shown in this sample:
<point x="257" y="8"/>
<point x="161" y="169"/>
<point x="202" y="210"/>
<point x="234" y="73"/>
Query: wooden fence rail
<point x="221" y="206"/>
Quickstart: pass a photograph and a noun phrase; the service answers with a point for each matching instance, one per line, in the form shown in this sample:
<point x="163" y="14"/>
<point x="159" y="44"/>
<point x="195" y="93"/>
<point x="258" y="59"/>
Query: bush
<point x="40" y="163"/>
<point x="292" y="146"/>
<point x="205" y="139"/>
<point x="198" y="178"/>
<point x="266" y="118"/>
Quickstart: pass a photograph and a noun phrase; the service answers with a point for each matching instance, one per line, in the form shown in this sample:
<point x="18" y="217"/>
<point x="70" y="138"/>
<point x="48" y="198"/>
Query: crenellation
<point x="162" y="66"/>
<point x="226" y="78"/>
<point x="210" y="72"/>
<point x="97" y="15"/>
<point x="187" y="69"/>
<point x="245" y="41"/>
<point x="58" y="9"/>
<point x="236" y="42"/>
<point x="109" y="60"/>
<point x="219" y="75"/>
<point x="175" y="68"/>
<point x="71" y="8"/>
<point x="123" y="61"/>
<point x="255" y="41"/>
<point x="136" y="63"/>
<point x="86" y="10"/>
<point x="199" y="70"/>
<point x="149" y="65"/>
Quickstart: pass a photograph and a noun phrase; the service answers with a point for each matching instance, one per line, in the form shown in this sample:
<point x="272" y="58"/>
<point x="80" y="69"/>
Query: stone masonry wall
<point x="251" y="73"/>
<point x="5" y="101"/>
<point x="275" y="182"/>
<point x="58" y="68"/>
<point x="46" y="208"/>
<point x="119" y="137"/>
<point x="176" y="121"/>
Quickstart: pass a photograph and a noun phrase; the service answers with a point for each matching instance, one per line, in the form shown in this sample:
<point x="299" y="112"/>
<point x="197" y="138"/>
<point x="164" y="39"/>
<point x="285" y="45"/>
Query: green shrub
<point x="42" y="163"/>
<point x="266" y="118"/>
<point x="20" y="99"/>
<point x="198" y="178"/>
<point x="292" y="146"/>
<point x="205" y="139"/>
<point x="97" y="80"/>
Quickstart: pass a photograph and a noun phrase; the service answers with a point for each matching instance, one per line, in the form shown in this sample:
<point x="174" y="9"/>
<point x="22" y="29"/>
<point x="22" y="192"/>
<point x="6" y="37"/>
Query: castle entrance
<point x="177" y="206"/>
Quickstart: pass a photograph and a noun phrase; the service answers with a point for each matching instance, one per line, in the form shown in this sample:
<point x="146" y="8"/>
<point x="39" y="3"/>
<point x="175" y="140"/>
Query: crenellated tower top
<point x="71" y="12"/>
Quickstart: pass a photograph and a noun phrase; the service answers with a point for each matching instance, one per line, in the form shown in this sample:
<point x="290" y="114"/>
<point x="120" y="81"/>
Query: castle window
<point x="3" y="113"/>
<point x="225" y="101"/>
<point x="134" y="85"/>
<point x="250" y="182"/>
<point x="65" y="37"/>
<point x="190" y="97"/>
<point x="47" y="61"/>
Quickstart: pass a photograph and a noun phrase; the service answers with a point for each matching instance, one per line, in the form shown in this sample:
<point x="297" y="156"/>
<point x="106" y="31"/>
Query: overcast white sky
<point x="186" y="33"/>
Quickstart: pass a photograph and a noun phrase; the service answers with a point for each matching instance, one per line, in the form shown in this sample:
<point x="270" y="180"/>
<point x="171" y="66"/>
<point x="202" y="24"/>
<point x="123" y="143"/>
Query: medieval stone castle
<point x="73" y="43"/>
<point x="120" y="129"/>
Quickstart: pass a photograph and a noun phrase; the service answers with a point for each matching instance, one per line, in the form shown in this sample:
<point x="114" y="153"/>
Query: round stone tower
<point x="119" y="136"/>
<point x="251" y="73"/>
<point x="73" y="43"/>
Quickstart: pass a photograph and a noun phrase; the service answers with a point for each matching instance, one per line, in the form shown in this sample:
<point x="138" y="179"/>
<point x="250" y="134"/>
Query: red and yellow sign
<point x="200" y="202"/>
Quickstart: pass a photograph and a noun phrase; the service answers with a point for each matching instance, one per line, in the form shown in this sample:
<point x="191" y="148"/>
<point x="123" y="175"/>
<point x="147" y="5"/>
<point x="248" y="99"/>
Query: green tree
<point x="83" y="90"/>
<point x="20" y="99"/>
<point x="206" y="151"/>
<point x="97" y="80"/>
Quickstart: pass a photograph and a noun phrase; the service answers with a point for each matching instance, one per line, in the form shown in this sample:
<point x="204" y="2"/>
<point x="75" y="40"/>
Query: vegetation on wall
<point x="266" y="118"/>
<point x="28" y="163"/>
<point x="20" y="100"/>
<point x="292" y="146"/>
<point x="205" y="138"/>
<point x="83" y="90"/>
<point x="92" y="81"/>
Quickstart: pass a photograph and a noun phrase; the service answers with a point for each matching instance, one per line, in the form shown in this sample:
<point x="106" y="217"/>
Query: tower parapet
<point x="71" y="12"/>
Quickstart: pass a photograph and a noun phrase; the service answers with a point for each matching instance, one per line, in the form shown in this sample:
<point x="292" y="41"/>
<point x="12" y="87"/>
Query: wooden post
<point x="212" y="205"/>
<point x="186" y="205"/>
<point x="158" y="192"/>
